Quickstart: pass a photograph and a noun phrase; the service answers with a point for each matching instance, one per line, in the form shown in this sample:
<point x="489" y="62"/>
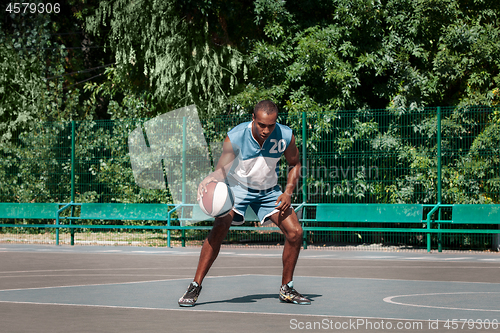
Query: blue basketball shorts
<point x="263" y="203"/>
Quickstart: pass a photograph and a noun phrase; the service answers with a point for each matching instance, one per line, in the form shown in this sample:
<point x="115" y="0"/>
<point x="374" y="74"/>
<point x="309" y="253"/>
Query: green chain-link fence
<point x="364" y="156"/>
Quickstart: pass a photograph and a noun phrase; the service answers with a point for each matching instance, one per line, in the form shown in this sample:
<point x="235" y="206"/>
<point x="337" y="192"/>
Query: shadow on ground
<point x="255" y="298"/>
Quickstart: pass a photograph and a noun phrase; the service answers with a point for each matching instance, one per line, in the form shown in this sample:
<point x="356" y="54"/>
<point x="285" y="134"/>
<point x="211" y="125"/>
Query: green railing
<point x="432" y="156"/>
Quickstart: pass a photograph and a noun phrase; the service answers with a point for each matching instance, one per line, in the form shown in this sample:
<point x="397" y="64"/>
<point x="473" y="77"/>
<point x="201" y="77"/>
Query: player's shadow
<point x="255" y="298"/>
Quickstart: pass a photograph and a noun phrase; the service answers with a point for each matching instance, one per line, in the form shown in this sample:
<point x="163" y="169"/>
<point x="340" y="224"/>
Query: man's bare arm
<point x="222" y="169"/>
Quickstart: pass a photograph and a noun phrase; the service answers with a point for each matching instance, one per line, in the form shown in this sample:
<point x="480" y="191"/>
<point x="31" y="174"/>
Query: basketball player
<point x="256" y="148"/>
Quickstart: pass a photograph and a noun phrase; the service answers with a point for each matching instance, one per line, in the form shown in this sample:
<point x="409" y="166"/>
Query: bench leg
<point x="304" y="239"/>
<point x="440" y="235"/>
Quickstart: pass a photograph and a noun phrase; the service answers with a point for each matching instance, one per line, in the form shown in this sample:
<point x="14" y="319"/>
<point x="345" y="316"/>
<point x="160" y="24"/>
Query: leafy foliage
<point x="378" y="54"/>
<point x="174" y="56"/>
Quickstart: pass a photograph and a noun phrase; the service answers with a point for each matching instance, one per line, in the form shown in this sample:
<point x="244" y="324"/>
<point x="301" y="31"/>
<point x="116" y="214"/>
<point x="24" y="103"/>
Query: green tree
<point x="359" y="54"/>
<point x="182" y="52"/>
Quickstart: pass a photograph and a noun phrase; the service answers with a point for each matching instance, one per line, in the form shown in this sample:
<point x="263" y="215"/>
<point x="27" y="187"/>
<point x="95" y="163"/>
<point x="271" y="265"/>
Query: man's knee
<point x="294" y="234"/>
<point x="221" y="225"/>
<point x="223" y="222"/>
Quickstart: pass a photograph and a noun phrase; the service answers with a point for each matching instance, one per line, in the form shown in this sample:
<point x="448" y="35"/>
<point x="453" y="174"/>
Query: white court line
<point x="303" y="255"/>
<point x="223" y="311"/>
<point x="243" y="267"/>
<point x="91" y="285"/>
<point x="118" y="283"/>
<point x="88" y="269"/>
<point x="380" y="257"/>
<point x="81" y="275"/>
<point x="143" y="268"/>
<point x="317" y="257"/>
<point x="259" y="254"/>
<point x="462" y="258"/>
<point x="397" y="258"/>
<point x="419" y="258"/>
<point x="377" y="279"/>
<point x="389" y="300"/>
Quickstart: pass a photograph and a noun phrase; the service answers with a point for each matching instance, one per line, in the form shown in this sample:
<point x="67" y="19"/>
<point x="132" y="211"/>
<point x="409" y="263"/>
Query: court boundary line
<point x="118" y="283"/>
<point x="361" y="278"/>
<point x="233" y="267"/>
<point x="196" y="250"/>
<point x="221" y="311"/>
<point x="250" y="312"/>
<point x="390" y="301"/>
<point x="239" y="275"/>
<point x="83" y="275"/>
<point x="138" y="268"/>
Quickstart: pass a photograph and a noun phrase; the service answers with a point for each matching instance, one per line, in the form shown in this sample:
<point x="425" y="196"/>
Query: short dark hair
<point x="267" y="106"/>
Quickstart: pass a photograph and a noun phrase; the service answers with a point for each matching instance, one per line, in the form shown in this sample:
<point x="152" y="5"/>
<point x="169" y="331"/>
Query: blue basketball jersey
<point x="257" y="167"/>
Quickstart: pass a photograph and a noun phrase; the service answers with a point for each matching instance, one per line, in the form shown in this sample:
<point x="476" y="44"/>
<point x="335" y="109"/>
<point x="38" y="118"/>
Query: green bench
<point x="311" y="213"/>
<point x="400" y="213"/>
<point x="475" y="214"/>
<point x="32" y="211"/>
<point x="151" y="212"/>
<point x="382" y="213"/>
<point x="187" y="216"/>
<point x="123" y="211"/>
<point x="111" y="211"/>
<point x="360" y="213"/>
<point x="472" y="214"/>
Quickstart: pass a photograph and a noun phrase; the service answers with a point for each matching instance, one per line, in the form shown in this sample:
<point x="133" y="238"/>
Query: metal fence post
<point x="304" y="171"/>
<point x="437" y="207"/>
<point x="439" y="165"/>
<point x="183" y="160"/>
<point x="72" y="161"/>
<point x="183" y="232"/>
<point x="72" y="231"/>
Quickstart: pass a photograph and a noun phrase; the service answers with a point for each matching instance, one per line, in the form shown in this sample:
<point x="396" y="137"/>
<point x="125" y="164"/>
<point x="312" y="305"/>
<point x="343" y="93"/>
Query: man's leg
<point x="211" y="246"/>
<point x="291" y="228"/>
<point x="209" y="253"/>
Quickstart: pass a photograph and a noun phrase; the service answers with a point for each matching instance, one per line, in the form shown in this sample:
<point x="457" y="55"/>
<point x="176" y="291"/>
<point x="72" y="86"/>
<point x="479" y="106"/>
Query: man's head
<point x="266" y="106"/>
<point x="264" y="118"/>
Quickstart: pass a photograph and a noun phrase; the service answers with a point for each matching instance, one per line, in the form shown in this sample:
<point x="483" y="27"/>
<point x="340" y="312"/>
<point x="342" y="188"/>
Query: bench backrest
<point x="29" y="210"/>
<point x="478" y="214"/>
<point x="124" y="211"/>
<point x="401" y="213"/>
<point x="155" y="212"/>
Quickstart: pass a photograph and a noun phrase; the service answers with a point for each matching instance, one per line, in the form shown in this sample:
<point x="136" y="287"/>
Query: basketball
<point x="218" y="200"/>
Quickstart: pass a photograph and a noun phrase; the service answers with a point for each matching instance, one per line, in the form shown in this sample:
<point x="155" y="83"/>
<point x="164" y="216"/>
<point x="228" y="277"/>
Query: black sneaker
<point x="191" y="295"/>
<point x="290" y="295"/>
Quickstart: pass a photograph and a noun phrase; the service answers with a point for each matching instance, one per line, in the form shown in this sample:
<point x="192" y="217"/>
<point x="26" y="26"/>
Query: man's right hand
<point x="202" y="188"/>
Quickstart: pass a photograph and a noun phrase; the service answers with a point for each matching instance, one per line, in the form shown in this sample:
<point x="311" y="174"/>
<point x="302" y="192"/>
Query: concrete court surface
<point x="45" y="288"/>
